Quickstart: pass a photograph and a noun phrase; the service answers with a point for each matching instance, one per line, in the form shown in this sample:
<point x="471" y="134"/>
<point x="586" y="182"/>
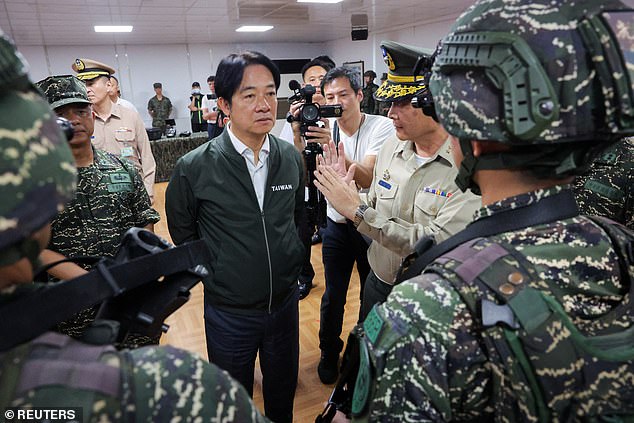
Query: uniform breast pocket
<point x="385" y="190"/>
<point x="428" y="205"/>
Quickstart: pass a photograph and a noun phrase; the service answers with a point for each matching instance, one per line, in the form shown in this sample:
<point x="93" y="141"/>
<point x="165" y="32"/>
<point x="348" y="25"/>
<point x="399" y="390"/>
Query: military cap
<point x="60" y="90"/>
<point x="157" y="85"/>
<point x="90" y="69"/>
<point x="401" y="82"/>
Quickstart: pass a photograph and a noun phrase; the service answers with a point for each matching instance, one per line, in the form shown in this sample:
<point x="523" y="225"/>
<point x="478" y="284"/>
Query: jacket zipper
<point x="268" y="256"/>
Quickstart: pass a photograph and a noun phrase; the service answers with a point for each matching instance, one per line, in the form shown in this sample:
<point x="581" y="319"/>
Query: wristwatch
<point x="358" y="215"/>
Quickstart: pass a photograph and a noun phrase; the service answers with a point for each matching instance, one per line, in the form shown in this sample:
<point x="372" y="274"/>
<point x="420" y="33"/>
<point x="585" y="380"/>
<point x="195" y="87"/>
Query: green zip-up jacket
<point x="256" y="255"/>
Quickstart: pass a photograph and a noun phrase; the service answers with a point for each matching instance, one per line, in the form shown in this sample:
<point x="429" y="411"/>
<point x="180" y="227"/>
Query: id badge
<point x="127" y="152"/>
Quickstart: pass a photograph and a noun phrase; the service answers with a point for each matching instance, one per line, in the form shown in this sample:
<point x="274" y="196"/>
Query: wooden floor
<point x="187" y="330"/>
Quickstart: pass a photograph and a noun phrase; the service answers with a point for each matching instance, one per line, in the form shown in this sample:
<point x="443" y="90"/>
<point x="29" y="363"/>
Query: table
<point x="167" y="151"/>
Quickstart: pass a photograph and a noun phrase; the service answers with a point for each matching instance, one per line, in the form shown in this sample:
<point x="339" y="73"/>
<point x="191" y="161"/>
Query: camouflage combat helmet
<point x="37" y="174"/>
<point x="548" y="76"/>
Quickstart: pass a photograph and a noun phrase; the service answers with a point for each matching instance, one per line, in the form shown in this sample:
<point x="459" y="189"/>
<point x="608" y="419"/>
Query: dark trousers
<point x="342" y="246"/>
<point x="375" y="291"/>
<point x="305" y="232"/>
<point x="234" y="340"/>
<point x="214" y="130"/>
<point x="198" y="127"/>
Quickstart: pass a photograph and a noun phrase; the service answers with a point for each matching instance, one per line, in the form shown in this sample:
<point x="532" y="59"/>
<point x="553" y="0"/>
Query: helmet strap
<point x="469" y="164"/>
<point x="543" y="161"/>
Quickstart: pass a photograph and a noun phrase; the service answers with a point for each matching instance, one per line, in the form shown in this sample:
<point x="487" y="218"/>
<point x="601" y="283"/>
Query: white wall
<point x="177" y="66"/>
<point x="344" y="50"/>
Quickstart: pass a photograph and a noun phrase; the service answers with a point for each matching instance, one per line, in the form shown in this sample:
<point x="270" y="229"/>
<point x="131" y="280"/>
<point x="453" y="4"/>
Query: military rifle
<point x="136" y="290"/>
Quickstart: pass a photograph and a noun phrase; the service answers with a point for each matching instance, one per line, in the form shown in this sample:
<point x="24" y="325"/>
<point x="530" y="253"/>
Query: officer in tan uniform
<point x="118" y="130"/>
<point x="413" y="193"/>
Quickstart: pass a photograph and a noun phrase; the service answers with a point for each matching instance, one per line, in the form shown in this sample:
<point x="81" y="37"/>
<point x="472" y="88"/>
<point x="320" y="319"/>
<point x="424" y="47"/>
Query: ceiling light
<point x="113" y="28"/>
<point x="254" y="28"/>
<point x="319" y="1"/>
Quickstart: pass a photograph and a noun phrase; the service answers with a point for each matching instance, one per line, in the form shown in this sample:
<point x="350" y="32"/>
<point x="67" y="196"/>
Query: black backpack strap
<point x="556" y="207"/>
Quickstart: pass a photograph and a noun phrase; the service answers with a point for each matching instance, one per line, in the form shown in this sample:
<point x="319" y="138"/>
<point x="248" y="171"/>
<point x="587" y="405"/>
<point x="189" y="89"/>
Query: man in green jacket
<point x="243" y="193"/>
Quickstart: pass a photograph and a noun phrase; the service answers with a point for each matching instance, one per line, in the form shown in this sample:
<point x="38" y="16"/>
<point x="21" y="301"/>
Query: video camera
<point x="310" y="113"/>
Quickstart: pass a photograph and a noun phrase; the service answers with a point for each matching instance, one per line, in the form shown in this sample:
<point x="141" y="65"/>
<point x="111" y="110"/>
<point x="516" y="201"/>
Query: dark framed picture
<point x="358" y="66"/>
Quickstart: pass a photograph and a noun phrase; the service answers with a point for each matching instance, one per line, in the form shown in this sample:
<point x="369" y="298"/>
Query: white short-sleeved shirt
<point x="367" y="141"/>
<point x="209" y="104"/>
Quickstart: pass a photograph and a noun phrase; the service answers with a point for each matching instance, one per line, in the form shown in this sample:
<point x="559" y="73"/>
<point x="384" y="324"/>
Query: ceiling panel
<point x="70" y="22"/>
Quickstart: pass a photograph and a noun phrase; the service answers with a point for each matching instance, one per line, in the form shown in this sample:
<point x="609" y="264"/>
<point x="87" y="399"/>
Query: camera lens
<point x="310" y="113"/>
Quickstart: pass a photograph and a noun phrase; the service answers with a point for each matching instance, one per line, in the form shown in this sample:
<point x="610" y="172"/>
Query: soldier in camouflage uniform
<point x="151" y="384"/>
<point x="110" y="196"/>
<point x="368" y="104"/>
<point x="607" y="188"/>
<point x="532" y="323"/>
<point x="159" y="107"/>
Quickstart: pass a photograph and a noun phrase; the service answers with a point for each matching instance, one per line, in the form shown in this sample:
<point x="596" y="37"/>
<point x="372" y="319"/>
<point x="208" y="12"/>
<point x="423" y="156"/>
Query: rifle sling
<point x="549" y="209"/>
<point x="33" y="314"/>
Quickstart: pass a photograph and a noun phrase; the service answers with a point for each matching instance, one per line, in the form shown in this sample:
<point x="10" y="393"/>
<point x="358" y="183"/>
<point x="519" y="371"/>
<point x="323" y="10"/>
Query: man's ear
<point x="224" y="106"/>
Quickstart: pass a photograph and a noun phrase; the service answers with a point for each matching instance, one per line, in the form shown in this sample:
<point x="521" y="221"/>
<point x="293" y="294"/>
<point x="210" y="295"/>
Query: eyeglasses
<point x="73" y="111"/>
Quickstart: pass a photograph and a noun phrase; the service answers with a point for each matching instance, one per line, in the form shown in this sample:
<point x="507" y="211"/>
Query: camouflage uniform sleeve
<point x="421" y="374"/>
<point x="629" y="194"/>
<point x="173" y="385"/>
<point x="139" y="199"/>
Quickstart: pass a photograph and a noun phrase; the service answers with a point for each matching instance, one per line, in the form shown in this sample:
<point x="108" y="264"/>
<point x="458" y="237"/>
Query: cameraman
<point x="362" y="135"/>
<point x="312" y="73"/>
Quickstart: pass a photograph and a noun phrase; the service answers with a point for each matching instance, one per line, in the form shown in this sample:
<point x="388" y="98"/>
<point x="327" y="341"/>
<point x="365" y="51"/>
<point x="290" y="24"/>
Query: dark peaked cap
<point x="401" y="83"/>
